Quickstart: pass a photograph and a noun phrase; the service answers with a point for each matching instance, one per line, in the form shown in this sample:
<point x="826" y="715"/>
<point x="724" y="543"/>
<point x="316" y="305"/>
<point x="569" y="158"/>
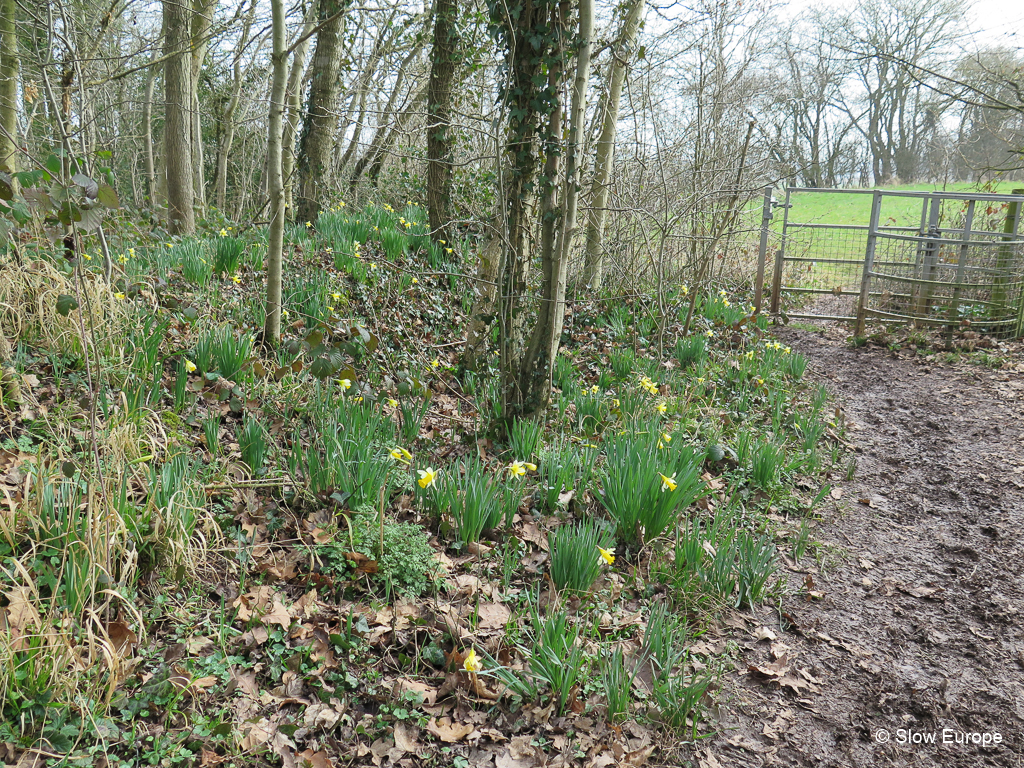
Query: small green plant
<point x="475" y="501"/>
<point x="756" y="559"/>
<point x="564" y="374"/>
<point x="617" y="676"/>
<point x="195" y="267"/>
<point x="211" y="434"/>
<point x="413" y="410"/>
<point x="394" y="243"/>
<point x="590" y="412"/>
<point x="227" y="254"/>
<point x="767" y="461"/>
<point x="622" y="363"/>
<point x="795" y="365"/>
<point x="252" y="441"/>
<point x="645" y="486"/>
<point x="579" y="552"/>
<point x="524" y="437"/>
<point x="221" y="351"/>
<point x="557" y="656"/>
<point x="690" y="350"/>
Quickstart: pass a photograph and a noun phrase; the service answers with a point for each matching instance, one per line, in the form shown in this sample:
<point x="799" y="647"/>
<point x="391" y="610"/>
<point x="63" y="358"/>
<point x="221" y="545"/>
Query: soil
<point x="903" y="637"/>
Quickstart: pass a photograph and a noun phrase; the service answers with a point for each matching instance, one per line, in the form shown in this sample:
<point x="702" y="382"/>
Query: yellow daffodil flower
<point x="414" y="281"/>
<point x="131" y="252"/>
<point x="345" y="384"/>
<point x="435" y="363"/>
<point x="190" y="366"/>
<point x="428" y="477"/>
<point x="607" y="554"/>
<point x="722" y="293"/>
<point x="309" y="224"/>
<point x="760" y="381"/>
<point x="442" y="242"/>
<point x="329" y="250"/>
<point x="685" y="289"/>
<point x="749" y="355"/>
<point x="471" y="663"/>
<point x="700" y="379"/>
<point x="119" y="296"/>
<point x="123" y="259"/>
<point x="709" y="333"/>
<point x="519" y="468"/>
<point x="400" y="454"/>
<point x="236" y="279"/>
<point x="87" y="257"/>
<point x="449" y="250"/>
<point x="667" y="483"/>
<point x="787" y="350"/>
<point x="223" y="233"/>
<point x="616" y="403"/>
<point x="595" y="388"/>
<point x="661" y="407"/>
<point x="341" y="204"/>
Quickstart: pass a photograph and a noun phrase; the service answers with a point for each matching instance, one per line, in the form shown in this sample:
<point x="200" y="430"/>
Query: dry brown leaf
<point x="404" y="685"/>
<point x="278" y="614"/>
<point x="121" y="637"/>
<point x="314" y="759"/>
<point x="447" y="731"/>
<point x="405" y="737"/>
<point x="246" y="681"/>
<point x="493" y="615"/>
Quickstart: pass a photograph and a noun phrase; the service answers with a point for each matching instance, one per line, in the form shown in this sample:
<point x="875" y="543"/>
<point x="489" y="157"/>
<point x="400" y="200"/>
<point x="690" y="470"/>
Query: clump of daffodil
<point x="399" y="453"/>
<point x="607" y="554"/>
<point x="519" y="468"/>
<point x="667" y="483"/>
<point x="471" y="662"/>
<point x="649" y="385"/>
<point x="428" y="477"/>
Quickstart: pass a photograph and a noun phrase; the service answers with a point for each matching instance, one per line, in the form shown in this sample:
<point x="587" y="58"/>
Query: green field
<point x="833" y="207"/>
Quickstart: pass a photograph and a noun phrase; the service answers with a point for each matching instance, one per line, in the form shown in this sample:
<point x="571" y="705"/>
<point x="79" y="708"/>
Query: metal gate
<point x="927" y="258"/>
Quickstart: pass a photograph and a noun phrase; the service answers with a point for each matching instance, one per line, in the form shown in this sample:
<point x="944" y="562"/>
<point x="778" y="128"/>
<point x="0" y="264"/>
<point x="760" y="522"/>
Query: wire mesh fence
<point x="927" y="258"/>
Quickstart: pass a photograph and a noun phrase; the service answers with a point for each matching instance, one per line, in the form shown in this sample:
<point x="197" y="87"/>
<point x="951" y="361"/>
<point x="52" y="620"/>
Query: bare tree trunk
<point x="147" y="130"/>
<point x="440" y="136"/>
<point x="177" y="124"/>
<point x="228" y="117"/>
<point x="594" y="267"/>
<point x="481" y="317"/>
<point x="202" y="16"/>
<point x="275" y="179"/>
<point x="321" y="118"/>
<point x="292" y="106"/>
<point x="8" y="87"/>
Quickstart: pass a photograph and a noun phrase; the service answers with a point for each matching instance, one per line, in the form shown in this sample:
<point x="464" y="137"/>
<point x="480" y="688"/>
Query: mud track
<point x="912" y="630"/>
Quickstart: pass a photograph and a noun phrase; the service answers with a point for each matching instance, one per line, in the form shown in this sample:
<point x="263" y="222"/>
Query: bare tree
<point x="177" y="122"/>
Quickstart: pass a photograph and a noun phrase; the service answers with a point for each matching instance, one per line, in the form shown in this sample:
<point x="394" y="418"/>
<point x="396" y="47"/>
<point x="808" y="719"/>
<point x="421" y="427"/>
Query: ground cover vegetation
<point x="212" y="550"/>
<point x="367" y="398"/>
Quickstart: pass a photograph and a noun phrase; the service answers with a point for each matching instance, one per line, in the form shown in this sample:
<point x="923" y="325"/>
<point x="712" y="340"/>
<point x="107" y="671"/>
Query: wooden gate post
<point x="869" y="261"/>
<point x="762" y="248"/>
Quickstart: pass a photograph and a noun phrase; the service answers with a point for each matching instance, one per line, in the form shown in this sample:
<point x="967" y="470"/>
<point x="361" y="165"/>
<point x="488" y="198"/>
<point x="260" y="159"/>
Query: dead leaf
<point x="925" y="592"/>
<point x="447" y="731"/>
<point x="764" y="633"/>
<point x="121" y="637"/>
<point x="493" y="615"/>
<point x="314" y="759"/>
<point x="405" y="737"/>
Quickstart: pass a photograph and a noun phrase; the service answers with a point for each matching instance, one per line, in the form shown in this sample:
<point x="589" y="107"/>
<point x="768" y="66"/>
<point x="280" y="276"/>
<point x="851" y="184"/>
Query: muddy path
<point x="904" y="638"/>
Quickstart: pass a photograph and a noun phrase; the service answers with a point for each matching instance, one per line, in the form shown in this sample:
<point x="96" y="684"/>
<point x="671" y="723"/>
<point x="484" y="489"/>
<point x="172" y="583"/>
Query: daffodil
<point x="787" y="350"/>
<point x="667" y="483"/>
<point x="449" y="250"/>
<point x="190" y="366"/>
<point x="373" y="266"/>
<point x="435" y="363"/>
<point x="131" y="252"/>
<point x="471" y="663"/>
<point x="223" y="233"/>
<point x="760" y="381"/>
<point x="685" y="289"/>
<point x="392" y="402"/>
<point x="428" y="477"/>
<point x="726" y="302"/>
<point x="336" y="296"/>
<point x="341" y="204"/>
<point x="595" y="388"/>
<point x="309" y="224"/>
<point x="236" y="279"/>
<point x="414" y="281"/>
<point x="661" y="407"/>
<point x="519" y="468"/>
<point x="87" y="257"/>
<point x="709" y="333"/>
<point x="119" y="296"/>
<point x="749" y="355"/>
<point x="345" y="384"/>
<point x="329" y="250"/>
<point x="607" y="554"/>
<point x="400" y="454"/>
<point x="123" y="259"/>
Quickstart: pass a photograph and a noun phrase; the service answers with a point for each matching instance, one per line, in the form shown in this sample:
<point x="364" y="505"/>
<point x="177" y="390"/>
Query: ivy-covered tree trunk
<point x="177" y="123"/>
<point x="317" y="141"/>
<point x="440" y="137"/>
<point x="533" y="33"/>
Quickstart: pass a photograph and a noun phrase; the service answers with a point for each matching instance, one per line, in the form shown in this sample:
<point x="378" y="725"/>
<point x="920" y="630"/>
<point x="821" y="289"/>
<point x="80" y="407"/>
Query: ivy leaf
<point x="66" y="303"/>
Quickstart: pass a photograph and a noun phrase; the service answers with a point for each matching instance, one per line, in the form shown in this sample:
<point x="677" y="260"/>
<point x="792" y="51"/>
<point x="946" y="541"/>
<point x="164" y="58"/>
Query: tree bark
<point x="440" y="136"/>
<point x="177" y="123"/>
<point x="147" y="131"/>
<point x="293" y="100"/>
<point x="317" y="141"/>
<point x="593" y="271"/>
<point x="275" y="179"/>
<point x="202" y="17"/>
<point x="227" y="118"/>
<point x="8" y="87"/>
